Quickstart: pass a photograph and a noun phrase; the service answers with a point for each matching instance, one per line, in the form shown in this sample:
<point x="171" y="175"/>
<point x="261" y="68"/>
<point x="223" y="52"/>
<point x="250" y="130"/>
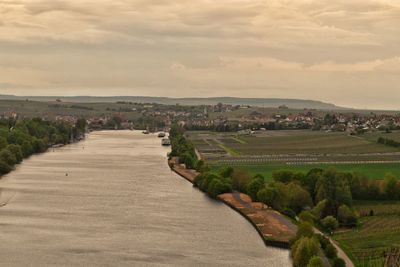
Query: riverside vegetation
<point x="20" y="139"/>
<point x="322" y="199"/>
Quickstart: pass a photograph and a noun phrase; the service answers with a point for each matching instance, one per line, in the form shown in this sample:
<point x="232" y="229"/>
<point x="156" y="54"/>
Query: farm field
<point x="293" y="142"/>
<point x="367" y="244"/>
<point x="373" y="137"/>
<point x="372" y="171"/>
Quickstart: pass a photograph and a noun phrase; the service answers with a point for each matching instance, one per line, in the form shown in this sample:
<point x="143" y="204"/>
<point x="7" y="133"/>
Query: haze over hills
<point x="260" y="102"/>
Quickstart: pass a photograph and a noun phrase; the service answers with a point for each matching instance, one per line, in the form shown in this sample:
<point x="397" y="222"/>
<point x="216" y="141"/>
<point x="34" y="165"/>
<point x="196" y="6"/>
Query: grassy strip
<point x="237" y="139"/>
<point x="372" y="171"/>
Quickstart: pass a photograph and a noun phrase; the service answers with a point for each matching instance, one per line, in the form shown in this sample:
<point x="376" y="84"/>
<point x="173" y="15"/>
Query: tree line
<point x="20" y="139"/>
<point x="388" y="142"/>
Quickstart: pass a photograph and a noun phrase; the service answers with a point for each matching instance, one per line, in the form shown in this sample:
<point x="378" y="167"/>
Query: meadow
<point x="372" y="171"/>
<point x="368" y="243"/>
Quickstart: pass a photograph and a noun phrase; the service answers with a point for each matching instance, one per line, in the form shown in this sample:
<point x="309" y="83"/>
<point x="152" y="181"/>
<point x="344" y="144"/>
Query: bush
<point x="315" y="262"/>
<point x="338" y="262"/>
<point x="240" y="180"/>
<point x="329" y="223"/>
<point x="288" y="212"/>
<point x="16" y="150"/>
<point x="8" y="157"/>
<point x="4" y="168"/>
<point x="346" y="216"/>
<point x="303" y="250"/>
<point x="268" y="196"/>
<point x="254" y="186"/>
<point x="330" y="251"/>
<point x="323" y="241"/>
<point x="307" y="216"/>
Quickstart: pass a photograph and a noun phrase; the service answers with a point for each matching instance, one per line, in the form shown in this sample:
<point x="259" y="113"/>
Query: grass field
<point x="306" y="142"/>
<point x="372" y="171"/>
<point x="296" y="142"/>
<point x="373" y="137"/>
<point x="366" y="244"/>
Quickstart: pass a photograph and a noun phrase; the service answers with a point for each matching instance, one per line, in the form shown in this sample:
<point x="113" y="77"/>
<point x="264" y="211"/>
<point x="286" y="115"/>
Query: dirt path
<point x="340" y="252"/>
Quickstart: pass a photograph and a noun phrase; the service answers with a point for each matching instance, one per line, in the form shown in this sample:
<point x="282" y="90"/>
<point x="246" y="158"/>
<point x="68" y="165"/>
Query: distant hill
<point x="259" y="102"/>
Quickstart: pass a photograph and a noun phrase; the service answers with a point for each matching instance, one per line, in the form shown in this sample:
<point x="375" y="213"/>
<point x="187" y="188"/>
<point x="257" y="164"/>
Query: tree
<point x="254" y="186"/>
<point x="269" y="196"/>
<point x="299" y="198"/>
<point x="338" y="262"/>
<point x="330" y="251"/>
<point x="329" y="223"/>
<point x="282" y="176"/>
<point x="16" y="151"/>
<point x="3" y="143"/>
<point x="4" y="167"/>
<point x="315" y="261"/>
<point x="8" y="157"/>
<point x="303" y="250"/>
<point x="346" y="216"/>
<point x="307" y="216"/>
<point x="392" y="188"/>
<point x="226" y="172"/>
<point x="240" y="180"/>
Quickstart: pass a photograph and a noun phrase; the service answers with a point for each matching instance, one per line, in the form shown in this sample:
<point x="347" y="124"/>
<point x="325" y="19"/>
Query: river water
<point x="119" y="205"/>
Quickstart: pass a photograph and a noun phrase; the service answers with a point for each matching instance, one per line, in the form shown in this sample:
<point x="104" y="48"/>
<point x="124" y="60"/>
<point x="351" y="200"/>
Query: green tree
<point x="8" y="157"/>
<point x="315" y="261"/>
<point x="303" y="250"/>
<point x="330" y="251"/>
<point x="16" y="151"/>
<point x="4" y="167"/>
<point x="254" y="186"/>
<point x="392" y="188"/>
<point x="269" y="196"/>
<point x="329" y="223"/>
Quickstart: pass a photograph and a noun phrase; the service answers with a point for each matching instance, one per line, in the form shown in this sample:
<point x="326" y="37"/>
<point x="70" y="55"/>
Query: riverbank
<point x="275" y="229"/>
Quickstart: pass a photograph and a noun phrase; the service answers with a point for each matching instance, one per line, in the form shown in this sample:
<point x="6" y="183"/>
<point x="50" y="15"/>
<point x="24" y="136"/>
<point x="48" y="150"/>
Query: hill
<point x="260" y="102"/>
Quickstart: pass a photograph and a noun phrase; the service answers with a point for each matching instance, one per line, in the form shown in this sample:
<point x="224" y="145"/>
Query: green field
<point x="367" y="243"/>
<point x="305" y="142"/>
<point x="372" y="171"/>
<point x="296" y="142"/>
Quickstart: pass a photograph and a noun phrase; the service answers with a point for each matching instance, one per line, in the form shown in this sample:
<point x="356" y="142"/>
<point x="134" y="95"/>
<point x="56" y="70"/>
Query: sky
<point x="345" y="52"/>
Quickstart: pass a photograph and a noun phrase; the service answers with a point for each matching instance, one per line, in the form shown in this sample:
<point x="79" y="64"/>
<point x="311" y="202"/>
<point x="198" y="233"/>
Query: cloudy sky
<point x="343" y="51"/>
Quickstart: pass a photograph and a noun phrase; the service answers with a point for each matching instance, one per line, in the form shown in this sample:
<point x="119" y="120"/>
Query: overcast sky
<point x="343" y="51"/>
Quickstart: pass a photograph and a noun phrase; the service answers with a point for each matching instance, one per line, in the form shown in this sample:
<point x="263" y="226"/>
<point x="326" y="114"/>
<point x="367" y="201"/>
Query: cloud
<point x="280" y="48"/>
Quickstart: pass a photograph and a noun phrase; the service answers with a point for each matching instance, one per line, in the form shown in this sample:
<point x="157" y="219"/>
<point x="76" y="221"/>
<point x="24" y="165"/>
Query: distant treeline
<point x="21" y="138"/>
<point x="388" y="142"/>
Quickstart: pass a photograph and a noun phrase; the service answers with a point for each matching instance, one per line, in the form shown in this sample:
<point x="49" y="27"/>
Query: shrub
<point x="8" y="157"/>
<point x="4" y="167"/>
<point x="303" y="250"/>
<point x="346" y="216"/>
<point x="268" y="196"/>
<point x="16" y="150"/>
<point x="315" y="261"/>
<point x="240" y="180"/>
<point x="254" y="186"/>
<point x="307" y="216"/>
<point x="329" y="223"/>
<point x="338" y="262"/>
<point x="323" y="241"/>
<point x="330" y="251"/>
<point x="289" y="212"/>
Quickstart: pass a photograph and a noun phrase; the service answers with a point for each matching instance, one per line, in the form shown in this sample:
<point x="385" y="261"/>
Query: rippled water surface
<point x="120" y="205"/>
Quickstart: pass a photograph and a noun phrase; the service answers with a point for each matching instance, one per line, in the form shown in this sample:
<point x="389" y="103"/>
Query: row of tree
<point x="21" y="138"/>
<point x="388" y="142"/>
<point x="182" y="148"/>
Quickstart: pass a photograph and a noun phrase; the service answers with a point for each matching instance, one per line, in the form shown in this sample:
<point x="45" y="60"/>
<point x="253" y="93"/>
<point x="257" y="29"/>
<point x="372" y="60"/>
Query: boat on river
<point x="165" y="142"/>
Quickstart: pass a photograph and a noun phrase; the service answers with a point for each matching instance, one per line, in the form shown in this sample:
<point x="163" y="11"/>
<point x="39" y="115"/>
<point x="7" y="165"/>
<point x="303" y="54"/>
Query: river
<point x="111" y="200"/>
